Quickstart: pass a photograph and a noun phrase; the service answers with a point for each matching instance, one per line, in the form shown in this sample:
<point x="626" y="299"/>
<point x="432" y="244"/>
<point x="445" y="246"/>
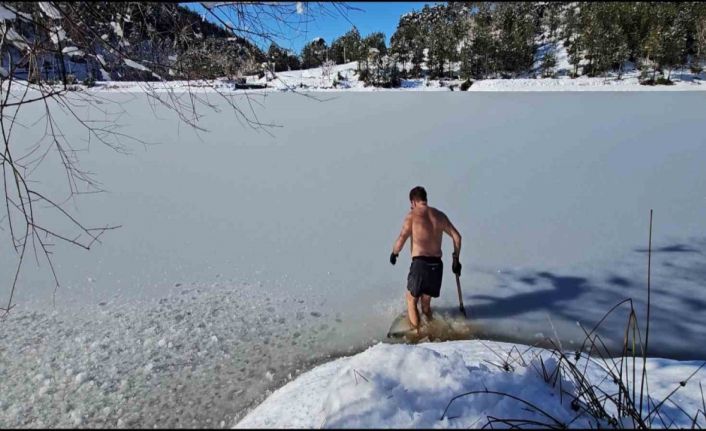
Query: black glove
<point x="393" y="258"/>
<point x="456" y="265"/>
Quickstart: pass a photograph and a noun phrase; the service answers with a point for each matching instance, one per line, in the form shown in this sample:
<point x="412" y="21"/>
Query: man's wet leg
<point x="426" y="306"/>
<point x="412" y="311"/>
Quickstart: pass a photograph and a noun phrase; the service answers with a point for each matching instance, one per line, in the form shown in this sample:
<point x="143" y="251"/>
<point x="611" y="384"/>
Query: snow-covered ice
<point x="199" y="356"/>
<point x="551" y="192"/>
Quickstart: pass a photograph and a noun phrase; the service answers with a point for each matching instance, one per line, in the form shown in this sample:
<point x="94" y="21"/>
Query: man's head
<point x="417" y="195"/>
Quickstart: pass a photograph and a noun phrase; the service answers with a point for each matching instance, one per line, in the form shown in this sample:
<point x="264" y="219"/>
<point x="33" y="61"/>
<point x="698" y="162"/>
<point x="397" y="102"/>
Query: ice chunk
<point x="80" y="378"/>
<point x="76" y="417"/>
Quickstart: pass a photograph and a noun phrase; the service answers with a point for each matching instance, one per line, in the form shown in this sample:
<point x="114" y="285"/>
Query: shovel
<point x="460" y="298"/>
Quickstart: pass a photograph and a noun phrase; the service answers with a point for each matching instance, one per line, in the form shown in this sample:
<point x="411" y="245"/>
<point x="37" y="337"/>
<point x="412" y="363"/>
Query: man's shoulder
<point x="437" y="211"/>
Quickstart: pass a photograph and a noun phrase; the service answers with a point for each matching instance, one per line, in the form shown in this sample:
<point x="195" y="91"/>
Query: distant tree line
<point x="501" y="39"/>
<point x="488" y="39"/>
<point x="467" y="40"/>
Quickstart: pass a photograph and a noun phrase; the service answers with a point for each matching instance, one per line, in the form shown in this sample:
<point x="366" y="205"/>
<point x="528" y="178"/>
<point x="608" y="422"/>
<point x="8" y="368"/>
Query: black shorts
<point x="425" y="276"/>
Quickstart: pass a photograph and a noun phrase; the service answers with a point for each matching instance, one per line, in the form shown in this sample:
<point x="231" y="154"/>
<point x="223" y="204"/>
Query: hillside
<point x="86" y="41"/>
<point x="648" y="44"/>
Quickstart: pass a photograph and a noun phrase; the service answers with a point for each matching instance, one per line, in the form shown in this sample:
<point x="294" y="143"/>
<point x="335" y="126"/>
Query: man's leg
<point x="412" y="312"/>
<point x="426" y="305"/>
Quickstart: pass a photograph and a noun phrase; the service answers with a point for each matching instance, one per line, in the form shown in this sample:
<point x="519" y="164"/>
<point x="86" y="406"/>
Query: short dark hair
<point x="418" y="194"/>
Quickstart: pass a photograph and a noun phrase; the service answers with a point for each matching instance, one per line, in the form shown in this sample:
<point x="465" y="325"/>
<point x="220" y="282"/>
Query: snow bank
<point x="403" y="386"/>
<point x="628" y="83"/>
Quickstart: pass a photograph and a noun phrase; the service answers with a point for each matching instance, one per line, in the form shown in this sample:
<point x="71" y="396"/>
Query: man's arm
<point x="451" y="230"/>
<point x="453" y="233"/>
<point x="404" y="234"/>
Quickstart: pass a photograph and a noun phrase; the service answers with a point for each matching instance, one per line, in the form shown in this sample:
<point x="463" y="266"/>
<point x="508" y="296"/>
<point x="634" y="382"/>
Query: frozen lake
<point x="551" y="192"/>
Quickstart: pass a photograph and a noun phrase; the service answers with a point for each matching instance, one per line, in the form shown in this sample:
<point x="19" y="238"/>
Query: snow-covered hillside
<point x="403" y="386"/>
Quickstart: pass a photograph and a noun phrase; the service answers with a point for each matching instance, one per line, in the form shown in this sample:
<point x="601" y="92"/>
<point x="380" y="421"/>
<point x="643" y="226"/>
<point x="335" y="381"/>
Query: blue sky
<point x="370" y="17"/>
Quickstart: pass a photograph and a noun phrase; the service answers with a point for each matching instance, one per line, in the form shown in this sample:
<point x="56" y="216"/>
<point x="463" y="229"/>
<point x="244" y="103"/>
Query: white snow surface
<point x="413" y="386"/>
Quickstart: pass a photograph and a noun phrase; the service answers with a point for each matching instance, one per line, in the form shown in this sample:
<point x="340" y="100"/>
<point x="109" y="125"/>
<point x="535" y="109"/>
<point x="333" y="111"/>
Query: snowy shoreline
<point x="487" y="85"/>
<point x="414" y="386"/>
<point x="344" y="78"/>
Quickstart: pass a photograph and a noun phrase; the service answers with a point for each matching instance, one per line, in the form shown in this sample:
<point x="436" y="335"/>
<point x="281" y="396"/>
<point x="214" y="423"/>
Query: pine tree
<point x="552" y="18"/>
<point x="277" y="57"/>
<point x="372" y="47"/>
<point x="444" y="27"/>
<point x="314" y="53"/>
<point x="590" y="36"/>
<point x="439" y="42"/>
<point x="699" y="37"/>
<point x="572" y="35"/>
<point x="375" y="40"/>
<point x="337" y="52"/>
<point x="652" y="47"/>
<point x="665" y="45"/>
<point x="409" y="41"/>
<point x="293" y="62"/>
<point x="479" y="56"/>
<point x="673" y="52"/>
<point x="548" y="64"/>
<point x="347" y="47"/>
<point x="517" y="26"/>
<point x="609" y="49"/>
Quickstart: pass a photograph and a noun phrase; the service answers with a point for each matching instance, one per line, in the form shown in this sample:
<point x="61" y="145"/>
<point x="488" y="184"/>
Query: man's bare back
<point x="425" y="225"/>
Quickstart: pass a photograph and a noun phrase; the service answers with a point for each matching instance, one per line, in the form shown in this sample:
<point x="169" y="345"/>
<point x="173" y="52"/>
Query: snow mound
<point x="445" y="385"/>
<point x="383" y="387"/>
<point x="403" y="386"/>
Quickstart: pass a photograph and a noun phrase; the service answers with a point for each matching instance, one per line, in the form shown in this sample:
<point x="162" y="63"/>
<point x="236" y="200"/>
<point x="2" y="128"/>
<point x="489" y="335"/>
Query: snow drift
<point x="403" y="386"/>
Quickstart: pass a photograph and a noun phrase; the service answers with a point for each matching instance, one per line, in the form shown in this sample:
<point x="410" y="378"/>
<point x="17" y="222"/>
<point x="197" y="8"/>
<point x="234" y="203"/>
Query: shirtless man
<point x="425" y="225"/>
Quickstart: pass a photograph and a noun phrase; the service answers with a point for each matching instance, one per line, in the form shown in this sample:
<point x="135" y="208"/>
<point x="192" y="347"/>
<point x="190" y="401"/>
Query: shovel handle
<point x="460" y="298"/>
